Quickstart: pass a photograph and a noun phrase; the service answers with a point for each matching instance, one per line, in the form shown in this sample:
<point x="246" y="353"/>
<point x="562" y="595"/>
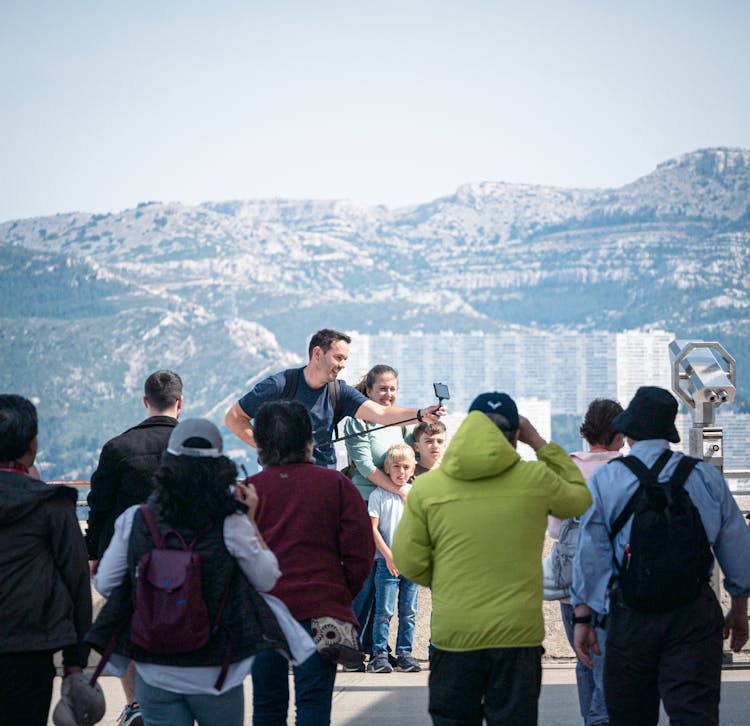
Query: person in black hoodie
<point x="45" y="596"/>
<point x="124" y="477"/>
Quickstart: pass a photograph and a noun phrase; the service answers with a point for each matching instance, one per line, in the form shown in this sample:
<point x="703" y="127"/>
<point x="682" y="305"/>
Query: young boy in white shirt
<point x="385" y="510"/>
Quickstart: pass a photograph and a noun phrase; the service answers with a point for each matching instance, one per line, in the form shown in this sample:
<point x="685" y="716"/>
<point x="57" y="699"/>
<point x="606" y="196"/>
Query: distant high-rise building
<point x="568" y="368"/>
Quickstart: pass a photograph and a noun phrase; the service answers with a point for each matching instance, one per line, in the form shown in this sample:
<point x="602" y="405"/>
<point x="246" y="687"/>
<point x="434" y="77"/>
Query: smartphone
<point x="441" y="391"/>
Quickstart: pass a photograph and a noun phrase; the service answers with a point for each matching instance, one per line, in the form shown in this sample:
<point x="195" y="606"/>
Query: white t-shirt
<point x="388" y="508"/>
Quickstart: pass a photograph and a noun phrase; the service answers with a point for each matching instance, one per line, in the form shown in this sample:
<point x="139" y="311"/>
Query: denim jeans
<point x="160" y="707"/>
<point x="590" y="681"/>
<point x="387" y="589"/>
<point x="499" y="686"/>
<point x="313" y="689"/>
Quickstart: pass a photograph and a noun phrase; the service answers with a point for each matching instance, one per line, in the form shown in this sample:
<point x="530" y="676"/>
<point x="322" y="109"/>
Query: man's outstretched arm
<point x="238" y="422"/>
<point x="388" y="415"/>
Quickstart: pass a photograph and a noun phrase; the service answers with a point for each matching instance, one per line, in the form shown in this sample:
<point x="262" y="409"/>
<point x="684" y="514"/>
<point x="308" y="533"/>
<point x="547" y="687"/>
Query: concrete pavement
<point x="367" y="699"/>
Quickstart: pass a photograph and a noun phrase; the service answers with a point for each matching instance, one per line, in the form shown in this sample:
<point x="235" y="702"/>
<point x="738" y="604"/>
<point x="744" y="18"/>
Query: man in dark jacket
<point x="123" y="478"/>
<point x="45" y="596"/>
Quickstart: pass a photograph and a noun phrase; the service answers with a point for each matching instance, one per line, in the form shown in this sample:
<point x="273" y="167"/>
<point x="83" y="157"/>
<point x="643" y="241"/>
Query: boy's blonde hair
<point x="397" y="452"/>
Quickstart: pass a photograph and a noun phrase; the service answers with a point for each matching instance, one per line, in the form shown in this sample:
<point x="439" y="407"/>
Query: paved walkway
<point x="367" y="699"/>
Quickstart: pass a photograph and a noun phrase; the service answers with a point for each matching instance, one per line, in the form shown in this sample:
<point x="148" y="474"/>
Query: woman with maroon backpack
<point x="182" y="575"/>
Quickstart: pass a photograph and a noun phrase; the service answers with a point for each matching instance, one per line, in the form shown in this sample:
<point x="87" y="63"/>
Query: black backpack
<point x="291" y="378"/>
<point x="667" y="560"/>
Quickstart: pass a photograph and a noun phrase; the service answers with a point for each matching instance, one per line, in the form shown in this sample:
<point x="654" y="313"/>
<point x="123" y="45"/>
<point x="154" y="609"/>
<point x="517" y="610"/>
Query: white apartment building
<point x="569" y="369"/>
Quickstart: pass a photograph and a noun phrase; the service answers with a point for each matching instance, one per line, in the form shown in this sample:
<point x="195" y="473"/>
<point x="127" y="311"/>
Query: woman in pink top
<point x="605" y="445"/>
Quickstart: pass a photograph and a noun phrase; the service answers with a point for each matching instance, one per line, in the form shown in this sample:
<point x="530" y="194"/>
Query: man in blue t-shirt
<point x="328" y="351"/>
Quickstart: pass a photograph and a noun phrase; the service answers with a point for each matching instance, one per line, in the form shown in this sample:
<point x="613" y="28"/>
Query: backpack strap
<point x="645" y="476"/>
<point x="291" y="378"/>
<point x="156" y="535"/>
<point x="685" y="465"/>
<point x="160" y="540"/>
<point x="227" y="659"/>
<point x="334" y="393"/>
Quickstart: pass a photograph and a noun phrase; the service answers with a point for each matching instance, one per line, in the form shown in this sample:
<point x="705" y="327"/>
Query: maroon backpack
<point x="169" y="612"/>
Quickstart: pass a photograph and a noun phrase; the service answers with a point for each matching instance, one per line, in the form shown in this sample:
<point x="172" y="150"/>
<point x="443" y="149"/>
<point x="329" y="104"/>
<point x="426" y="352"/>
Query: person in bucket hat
<point x="650" y="415"/>
<point x="675" y="655"/>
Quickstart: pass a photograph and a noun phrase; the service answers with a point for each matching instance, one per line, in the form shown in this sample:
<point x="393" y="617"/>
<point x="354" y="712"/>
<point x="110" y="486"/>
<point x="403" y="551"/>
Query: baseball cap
<point x="499" y="403"/>
<point x="193" y="428"/>
<point x="80" y="704"/>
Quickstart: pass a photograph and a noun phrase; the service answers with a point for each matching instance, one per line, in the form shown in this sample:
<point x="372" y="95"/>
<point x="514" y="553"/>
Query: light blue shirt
<point x="388" y="508"/>
<point x="612" y="486"/>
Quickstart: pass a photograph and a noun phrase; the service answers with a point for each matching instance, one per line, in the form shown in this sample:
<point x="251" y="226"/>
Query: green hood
<point x="478" y="450"/>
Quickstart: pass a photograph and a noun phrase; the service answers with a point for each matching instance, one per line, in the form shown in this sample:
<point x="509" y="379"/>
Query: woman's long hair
<point x="192" y="492"/>
<point x="368" y="380"/>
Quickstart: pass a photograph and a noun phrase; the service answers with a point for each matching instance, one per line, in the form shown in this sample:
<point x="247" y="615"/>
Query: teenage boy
<point x="429" y="443"/>
<point x="385" y="510"/>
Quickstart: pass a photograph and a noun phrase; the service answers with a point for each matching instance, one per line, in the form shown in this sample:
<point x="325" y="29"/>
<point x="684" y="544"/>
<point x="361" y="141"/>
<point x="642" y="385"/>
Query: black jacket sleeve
<point x="102" y="497"/>
<point x="69" y="554"/>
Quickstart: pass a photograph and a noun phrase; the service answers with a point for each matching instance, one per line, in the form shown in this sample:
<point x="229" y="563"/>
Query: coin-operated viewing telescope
<point x="704" y="376"/>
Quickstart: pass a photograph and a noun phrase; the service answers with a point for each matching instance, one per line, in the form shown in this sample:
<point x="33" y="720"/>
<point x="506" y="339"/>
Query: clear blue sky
<point x="105" y="104"/>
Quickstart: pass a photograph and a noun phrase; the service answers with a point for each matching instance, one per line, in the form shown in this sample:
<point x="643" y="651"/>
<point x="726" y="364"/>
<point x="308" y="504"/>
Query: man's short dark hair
<point x="325" y="338"/>
<point x="162" y="389"/>
<point x="18" y="426"/>
<point x="283" y="432"/>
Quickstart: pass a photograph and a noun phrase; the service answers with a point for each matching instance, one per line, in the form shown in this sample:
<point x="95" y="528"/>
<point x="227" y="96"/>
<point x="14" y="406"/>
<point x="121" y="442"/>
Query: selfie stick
<point x="441" y="391"/>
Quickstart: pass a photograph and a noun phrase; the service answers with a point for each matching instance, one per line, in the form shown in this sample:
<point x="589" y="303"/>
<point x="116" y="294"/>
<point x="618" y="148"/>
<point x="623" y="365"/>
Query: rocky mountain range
<point x="225" y="292"/>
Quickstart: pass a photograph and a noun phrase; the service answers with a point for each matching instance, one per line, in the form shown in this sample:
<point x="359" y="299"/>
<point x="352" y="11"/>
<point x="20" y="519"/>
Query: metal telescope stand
<point x="703" y="383"/>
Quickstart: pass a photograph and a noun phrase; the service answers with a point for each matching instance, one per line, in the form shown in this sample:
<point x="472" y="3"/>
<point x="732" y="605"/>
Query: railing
<point x="82" y="485"/>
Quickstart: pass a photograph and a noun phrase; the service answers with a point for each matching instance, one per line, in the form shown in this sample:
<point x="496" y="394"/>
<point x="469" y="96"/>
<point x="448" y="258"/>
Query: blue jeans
<point x="590" y="681"/>
<point x="167" y="708"/>
<point x="313" y="689"/>
<point x="387" y="587"/>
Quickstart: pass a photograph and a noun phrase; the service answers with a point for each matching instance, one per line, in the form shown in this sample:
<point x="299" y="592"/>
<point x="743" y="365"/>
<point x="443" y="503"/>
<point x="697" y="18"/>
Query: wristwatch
<point x="582" y="620"/>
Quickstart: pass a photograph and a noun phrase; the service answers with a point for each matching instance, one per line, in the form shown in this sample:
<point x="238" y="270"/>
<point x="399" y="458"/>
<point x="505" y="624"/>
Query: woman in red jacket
<point x="316" y="523"/>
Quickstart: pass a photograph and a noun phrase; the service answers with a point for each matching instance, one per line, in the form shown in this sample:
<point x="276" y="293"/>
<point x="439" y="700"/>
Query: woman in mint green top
<point x="367" y="452"/>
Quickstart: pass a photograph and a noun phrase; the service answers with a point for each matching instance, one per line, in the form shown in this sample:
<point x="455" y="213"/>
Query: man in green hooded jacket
<point x="473" y="530"/>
